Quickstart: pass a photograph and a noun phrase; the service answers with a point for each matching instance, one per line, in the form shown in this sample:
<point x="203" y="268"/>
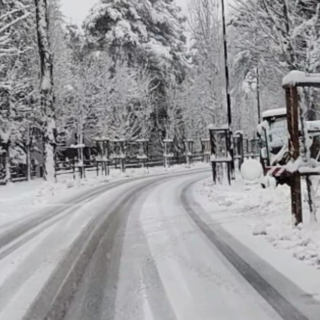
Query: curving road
<point x="138" y="249"/>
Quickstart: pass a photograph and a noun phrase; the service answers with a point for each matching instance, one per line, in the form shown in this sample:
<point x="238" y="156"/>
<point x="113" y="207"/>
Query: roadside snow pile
<point x="264" y="213"/>
<point x="48" y="191"/>
<point x="260" y="229"/>
<point x="303" y="241"/>
<point x="20" y="199"/>
<point x="245" y="200"/>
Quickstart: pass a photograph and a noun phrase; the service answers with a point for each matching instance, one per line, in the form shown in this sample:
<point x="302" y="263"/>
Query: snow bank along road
<point x="138" y="249"/>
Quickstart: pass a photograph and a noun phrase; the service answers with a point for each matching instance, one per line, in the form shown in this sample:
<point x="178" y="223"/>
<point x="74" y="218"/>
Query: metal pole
<point x="258" y="95"/>
<point x="229" y="108"/>
<point x="225" y="46"/>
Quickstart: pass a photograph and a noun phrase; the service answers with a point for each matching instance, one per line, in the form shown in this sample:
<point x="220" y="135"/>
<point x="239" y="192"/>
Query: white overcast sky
<point x="76" y="10"/>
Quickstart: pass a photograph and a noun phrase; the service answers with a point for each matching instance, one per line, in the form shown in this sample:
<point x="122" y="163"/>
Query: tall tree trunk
<point x="46" y="88"/>
<point x="28" y="153"/>
<point x="7" y="172"/>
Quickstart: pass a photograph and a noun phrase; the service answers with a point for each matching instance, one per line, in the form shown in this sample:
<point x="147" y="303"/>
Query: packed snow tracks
<point x="138" y="249"/>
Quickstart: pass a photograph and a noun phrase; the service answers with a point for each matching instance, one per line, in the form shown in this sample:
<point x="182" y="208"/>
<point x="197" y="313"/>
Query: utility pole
<point x="258" y="94"/>
<point x="229" y="109"/>
<point x="225" y="46"/>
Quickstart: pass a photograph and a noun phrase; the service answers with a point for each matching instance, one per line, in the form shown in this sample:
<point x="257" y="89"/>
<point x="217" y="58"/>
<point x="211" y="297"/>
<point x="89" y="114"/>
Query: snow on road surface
<point x="139" y="251"/>
<point x="261" y="220"/>
<point x="196" y="280"/>
<point x="18" y="200"/>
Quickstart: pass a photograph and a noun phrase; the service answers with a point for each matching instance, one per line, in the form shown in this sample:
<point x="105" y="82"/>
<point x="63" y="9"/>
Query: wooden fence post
<point x="292" y="101"/>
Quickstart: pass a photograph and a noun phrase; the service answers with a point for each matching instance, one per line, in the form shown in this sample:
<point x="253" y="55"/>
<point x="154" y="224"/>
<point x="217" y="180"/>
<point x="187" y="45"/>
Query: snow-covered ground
<point x="261" y="220"/>
<point x="17" y="200"/>
<point x="137" y="251"/>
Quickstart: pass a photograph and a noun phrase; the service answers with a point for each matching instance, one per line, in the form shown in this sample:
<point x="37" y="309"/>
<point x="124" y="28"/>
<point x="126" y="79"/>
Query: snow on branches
<point x="113" y="101"/>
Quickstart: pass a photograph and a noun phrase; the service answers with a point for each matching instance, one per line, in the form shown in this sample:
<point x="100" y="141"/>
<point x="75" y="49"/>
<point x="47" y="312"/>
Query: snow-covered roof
<point x="77" y="146"/>
<point x="239" y="132"/>
<point x="299" y="78"/>
<point x="313" y="125"/>
<point x="221" y="127"/>
<point x="100" y="139"/>
<point x="142" y="140"/>
<point x="119" y="140"/>
<point x="274" y="113"/>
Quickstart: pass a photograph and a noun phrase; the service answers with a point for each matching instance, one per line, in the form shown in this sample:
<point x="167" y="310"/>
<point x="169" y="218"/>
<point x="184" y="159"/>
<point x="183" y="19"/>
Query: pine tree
<point x="148" y="32"/>
<point x="145" y="34"/>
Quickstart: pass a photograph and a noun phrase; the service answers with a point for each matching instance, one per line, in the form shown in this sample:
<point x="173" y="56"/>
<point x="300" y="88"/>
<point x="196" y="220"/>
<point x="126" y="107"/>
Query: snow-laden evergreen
<point x="18" y="82"/>
<point x="148" y="32"/>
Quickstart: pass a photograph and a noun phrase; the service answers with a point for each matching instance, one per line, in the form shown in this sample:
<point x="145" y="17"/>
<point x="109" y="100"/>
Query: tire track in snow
<point x="32" y="222"/>
<point x="218" y="237"/>
<point x="54" y="301"/>
<point x="56" y="297"/>
<point x="32" y="228"/>
<point x="141" y="293"/>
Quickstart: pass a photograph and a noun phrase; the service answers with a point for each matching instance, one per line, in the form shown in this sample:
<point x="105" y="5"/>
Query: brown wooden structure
<point x="291" y="83"/>
<point x="103" y="157"/>
<point x="221" y="152"/>
<point x="168" y="152"/>
<point x="238" y="148"/>
<point x="143" y="153"/>
<point x="119" y="152"/>
<point x="189" y="150"/>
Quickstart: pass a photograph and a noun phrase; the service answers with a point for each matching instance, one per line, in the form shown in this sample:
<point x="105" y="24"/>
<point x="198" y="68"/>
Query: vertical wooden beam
<point x="213" y="152"/>
<point x="46" y="88"/>
<point x="292" y="101"/>
<point x="258" y="94"/>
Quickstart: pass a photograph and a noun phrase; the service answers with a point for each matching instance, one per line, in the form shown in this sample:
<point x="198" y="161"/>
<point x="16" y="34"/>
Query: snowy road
<point x="138" y="249"/>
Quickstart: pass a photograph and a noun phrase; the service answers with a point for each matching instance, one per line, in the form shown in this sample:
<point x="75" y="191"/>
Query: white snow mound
<point x="260" y="229"/>
<point x="251" y="170"/>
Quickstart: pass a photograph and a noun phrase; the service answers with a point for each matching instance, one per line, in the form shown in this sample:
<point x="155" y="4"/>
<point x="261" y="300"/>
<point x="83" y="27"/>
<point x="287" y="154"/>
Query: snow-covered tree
<point x="17" y="77"/>
<point x="46" y="88"/>
<point x="146" y="34"/>
<point x="208" y="76"/>
<point x="63" y="59"/>
<point x="112" y="101"/>
<point x="273" y="37"/>
<point x="126" y="104"/>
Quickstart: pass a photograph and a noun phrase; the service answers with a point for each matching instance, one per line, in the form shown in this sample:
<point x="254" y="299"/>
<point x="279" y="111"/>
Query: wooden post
<point x="73" y="169"/>
<point x="122" y="155"/>
<point x="147" y="146"/>
<point x="230" y="167"/>
<point x="213" y="153"/>
<point x="188" y="151"/>
<point x="294" y="149"/>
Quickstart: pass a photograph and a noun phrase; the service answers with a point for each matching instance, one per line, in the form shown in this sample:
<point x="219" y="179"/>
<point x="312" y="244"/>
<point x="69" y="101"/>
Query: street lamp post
<point x="225" y="46"/>
<point x="229" y="108"/>
<point x="258" y="95"/>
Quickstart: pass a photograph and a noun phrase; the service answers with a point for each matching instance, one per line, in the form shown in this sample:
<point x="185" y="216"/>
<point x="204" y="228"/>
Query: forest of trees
<point x="129" y="72"/>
